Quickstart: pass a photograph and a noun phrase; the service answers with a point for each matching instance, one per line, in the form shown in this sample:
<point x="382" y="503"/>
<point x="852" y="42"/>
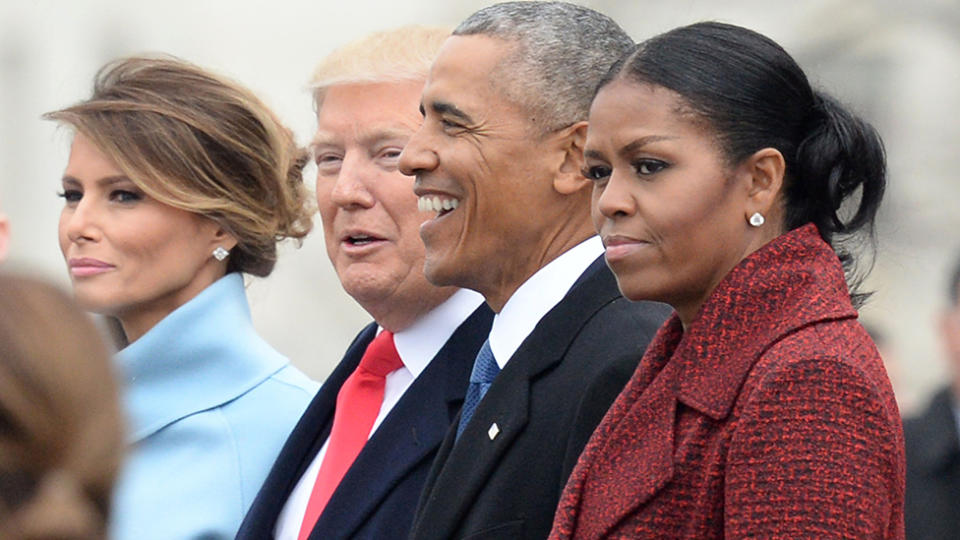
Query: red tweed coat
<point x="771" y="417"/>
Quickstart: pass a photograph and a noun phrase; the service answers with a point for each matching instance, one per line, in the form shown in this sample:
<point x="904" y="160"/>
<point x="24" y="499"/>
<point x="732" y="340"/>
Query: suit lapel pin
<point x="493" y="431"/>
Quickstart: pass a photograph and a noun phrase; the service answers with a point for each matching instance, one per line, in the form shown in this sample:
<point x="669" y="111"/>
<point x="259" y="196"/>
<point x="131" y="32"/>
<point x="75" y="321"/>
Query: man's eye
<point x="324" y="159"/>
<point x="328" y="163"/>
<point x="448" y="124"/>
<point x="391" y="153"/>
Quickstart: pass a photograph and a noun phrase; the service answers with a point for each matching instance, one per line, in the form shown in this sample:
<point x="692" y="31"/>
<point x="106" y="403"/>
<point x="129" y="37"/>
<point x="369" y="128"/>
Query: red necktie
<point x="358" y="404"/>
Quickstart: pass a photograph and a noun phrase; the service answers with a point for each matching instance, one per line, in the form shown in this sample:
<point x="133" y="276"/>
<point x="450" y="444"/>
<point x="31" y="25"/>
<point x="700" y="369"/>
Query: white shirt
<point x="416" y="345"/>
<point x="537" y="296"/>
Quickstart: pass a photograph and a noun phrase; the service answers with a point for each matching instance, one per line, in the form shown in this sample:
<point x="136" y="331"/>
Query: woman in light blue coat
<point x="178" y="183"/>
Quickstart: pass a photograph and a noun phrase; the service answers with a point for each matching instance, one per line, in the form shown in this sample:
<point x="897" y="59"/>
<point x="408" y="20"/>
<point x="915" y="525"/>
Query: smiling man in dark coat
<point x="498" y="161"/>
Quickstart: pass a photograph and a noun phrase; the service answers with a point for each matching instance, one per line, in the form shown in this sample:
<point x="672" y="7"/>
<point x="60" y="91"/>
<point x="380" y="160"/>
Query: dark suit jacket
<point x="769" y="416"/>
<point x="932" y="505"/>
<point x="377" y="497"/>
<point x="507" y="486"/>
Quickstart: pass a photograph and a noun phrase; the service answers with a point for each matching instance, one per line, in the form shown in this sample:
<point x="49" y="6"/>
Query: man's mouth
<point x="360" y="239"/>
<point x="440" y="204"/>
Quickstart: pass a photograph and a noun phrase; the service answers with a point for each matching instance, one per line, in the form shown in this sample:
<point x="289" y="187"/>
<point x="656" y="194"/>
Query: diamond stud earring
<point x="221" y="254"/>
<point x="756" y="219"/>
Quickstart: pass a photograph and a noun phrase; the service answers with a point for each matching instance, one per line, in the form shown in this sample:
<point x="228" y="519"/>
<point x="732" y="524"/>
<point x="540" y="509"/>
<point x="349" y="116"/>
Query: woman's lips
<point x="622" y="247"/>
<point x="83" y="267"/>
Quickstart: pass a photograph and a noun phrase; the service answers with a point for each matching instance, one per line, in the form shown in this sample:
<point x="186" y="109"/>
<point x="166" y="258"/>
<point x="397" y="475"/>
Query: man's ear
<point x="569" y="178"/>
<point x="763" y="172"/>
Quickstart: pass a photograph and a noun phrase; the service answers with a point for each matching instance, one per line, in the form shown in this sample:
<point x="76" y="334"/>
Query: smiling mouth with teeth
<point x="441" y="205"/>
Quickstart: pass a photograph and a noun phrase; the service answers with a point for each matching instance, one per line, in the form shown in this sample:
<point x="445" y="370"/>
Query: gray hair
<point x="561" y="52"/>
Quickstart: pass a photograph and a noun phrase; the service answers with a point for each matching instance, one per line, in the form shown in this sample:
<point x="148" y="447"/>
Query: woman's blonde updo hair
<point x="202" y="143"/>
<point x="61" y="437"/>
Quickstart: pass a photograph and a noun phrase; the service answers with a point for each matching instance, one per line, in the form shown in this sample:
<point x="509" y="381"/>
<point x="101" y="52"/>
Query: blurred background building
<point x="897" y="63"/>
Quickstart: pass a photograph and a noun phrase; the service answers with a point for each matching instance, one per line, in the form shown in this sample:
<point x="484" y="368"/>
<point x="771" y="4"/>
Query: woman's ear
<point x="764" y="171"/>
<point x="569" y="178"/>
<point x="221" y="237"/>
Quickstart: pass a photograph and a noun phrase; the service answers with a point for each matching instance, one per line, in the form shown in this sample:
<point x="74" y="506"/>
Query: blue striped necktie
<point x="485" y="369"/>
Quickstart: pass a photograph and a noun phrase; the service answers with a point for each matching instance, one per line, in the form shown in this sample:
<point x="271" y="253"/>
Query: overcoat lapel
<point x="408" y="435"/>
<point x="314" y="428"/>
<point x="302" y="444"/>
<point x="503" y="413"/>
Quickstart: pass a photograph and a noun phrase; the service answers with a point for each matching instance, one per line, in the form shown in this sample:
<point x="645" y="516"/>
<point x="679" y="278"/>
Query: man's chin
<point x="440" y="273"/>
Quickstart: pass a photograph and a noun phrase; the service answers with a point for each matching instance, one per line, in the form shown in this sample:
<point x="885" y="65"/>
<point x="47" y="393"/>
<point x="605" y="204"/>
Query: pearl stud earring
<point x="756" y="219"/>
<point x="220" y="253"/>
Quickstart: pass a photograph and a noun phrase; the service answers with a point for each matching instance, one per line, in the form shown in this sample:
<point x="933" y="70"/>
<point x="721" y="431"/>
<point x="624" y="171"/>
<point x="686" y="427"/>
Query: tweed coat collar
<point x="202" y="355"/>
<point x="793" y="281"/>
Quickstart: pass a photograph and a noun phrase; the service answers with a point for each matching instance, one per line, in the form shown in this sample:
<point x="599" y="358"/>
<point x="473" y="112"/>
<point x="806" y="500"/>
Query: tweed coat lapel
<point x="466" y="465"/>
<point x="783" y="293"/>
<point x="648" y="402"/>
<point x="302" y="445"/>
<point x="408" y="435"/>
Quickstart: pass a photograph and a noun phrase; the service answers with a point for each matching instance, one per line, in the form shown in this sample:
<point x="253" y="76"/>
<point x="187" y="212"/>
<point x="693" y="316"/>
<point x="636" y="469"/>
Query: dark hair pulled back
<point x="753" y="95"/>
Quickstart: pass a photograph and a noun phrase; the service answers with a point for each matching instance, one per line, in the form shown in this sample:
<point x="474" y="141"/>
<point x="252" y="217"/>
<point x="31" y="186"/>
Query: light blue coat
<point x="209" y="405"/>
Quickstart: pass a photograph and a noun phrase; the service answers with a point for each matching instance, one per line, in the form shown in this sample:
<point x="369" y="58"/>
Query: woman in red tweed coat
<point x="761" y="409"/>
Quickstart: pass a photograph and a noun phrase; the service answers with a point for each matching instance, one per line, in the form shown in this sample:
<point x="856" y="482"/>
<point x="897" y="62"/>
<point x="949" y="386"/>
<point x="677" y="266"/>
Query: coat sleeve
<point x="815" y="455"/>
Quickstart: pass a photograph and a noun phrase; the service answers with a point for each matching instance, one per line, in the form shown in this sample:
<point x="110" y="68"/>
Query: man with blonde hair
<point x="355" y="464"/>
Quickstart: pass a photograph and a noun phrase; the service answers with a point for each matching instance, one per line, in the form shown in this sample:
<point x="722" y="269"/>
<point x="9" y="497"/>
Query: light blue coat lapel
<point x="183" y="365"/>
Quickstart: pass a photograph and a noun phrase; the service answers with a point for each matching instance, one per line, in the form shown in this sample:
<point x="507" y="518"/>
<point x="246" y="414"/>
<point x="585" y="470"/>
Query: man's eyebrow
<point x="442" y="107"/>
<point x="319" y="140"/>
<point x="367" y="136"/>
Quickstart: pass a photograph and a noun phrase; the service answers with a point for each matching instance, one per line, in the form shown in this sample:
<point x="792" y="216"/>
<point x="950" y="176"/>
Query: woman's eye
<point x="649" y="166"/>
<point x="71" y="195"/>
<point x="596" y="172"/>
<point x="124" y="196"/>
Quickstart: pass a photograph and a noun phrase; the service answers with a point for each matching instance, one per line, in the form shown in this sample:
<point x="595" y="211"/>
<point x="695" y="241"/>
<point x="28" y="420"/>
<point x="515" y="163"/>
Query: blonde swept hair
<point x="203" y="143"/>
<point x="400" y="54"/>
<point x="61" y="436"/>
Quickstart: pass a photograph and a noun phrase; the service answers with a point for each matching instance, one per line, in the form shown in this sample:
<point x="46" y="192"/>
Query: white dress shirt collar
<point x="422" y="340"/>
<point x="537" y="296"/>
